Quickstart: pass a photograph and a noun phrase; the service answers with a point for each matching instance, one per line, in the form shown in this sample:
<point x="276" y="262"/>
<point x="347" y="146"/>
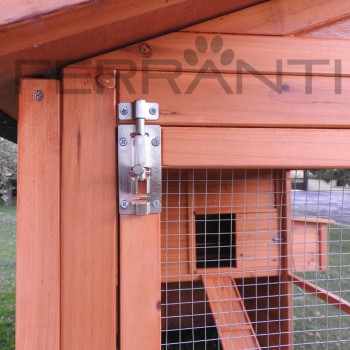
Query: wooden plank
<point x="38" y="225"/>
<point x="183" y="51"/>
<point x="255" y="148"/>
<point x="89" y="213"/>
<point x="277" y="17"/>
<point x="109" y="12"/>
<point x="310" y="244"/>
<point x="96" y="14"/>
<point x="323" y="246"/>
<point x="255" y="104"/>
<point x="46" y="46"/>
<point x="321" y="293"/>
<point x="17" y="10"/>
<point x="284" y="191"/>
<point x="231" y="319"/>
<point x="140" y="282"/>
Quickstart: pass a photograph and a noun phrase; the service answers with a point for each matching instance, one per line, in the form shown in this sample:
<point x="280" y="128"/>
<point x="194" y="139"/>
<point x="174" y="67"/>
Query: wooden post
<point x="89" y="212"/>
<point x="38" y="226"/>
<point x="140" y="282"/>
<point x="286" y="296"/>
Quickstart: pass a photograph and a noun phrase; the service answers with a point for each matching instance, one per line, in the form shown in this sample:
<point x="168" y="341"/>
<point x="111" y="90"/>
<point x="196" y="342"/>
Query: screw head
<point x="38" y="95"/>
<point x="124" y="204"/>
<point x="152" y="111"/>
<point x="123" y="142"/>
<point x="124" y="111"/>
<point x="156" y="203"/>
<point x="155" y="142"/>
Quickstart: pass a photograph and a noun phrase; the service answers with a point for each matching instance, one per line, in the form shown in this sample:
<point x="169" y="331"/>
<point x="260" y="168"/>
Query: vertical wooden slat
<point x="140" y="282"/>
<point x="286" y="260"/>
<point x="38" y="227"/>
<point x="89" y="213"/>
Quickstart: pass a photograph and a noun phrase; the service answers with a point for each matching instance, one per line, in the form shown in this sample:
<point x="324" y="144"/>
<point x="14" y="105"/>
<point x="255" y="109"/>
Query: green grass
<point x="7" y="277"/>
<point x="315" y="323"/>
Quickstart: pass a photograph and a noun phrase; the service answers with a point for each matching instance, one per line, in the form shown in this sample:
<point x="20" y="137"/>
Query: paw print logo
<point x="216" y="46"/>
<point x="226" y="58"/>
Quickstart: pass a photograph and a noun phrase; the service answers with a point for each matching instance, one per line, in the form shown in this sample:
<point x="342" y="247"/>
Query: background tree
<point x="8" y="168"/>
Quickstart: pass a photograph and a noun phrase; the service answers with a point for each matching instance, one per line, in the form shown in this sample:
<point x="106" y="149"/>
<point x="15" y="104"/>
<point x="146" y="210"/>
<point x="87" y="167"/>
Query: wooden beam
<point x="17" y="10"/>
<point x="38" y="212"/>
<point x="284" y="194"/>
<point x="88" y="213"/>
<point x="46" y="45"/>
<point x="219" y="148"/>
<point x="103" y="13"/>
<point x="140" y="282"/>
<point x="277" y="17"/>
<point x="321" y="293"/>
<point x="251" y="103"/>
<point x="258" y="54"/>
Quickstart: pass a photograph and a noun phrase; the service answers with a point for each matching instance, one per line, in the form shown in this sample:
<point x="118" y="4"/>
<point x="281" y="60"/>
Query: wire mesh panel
<point x="255" y="259"/>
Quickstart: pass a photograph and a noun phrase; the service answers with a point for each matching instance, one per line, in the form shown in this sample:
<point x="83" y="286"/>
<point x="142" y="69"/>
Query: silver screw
<point x="155" y="142"/>
<point x="152" y="111"/>
<point x="124" y="204"/>
<point x="38" y="95"/>
<point x="124" y="111"/>
<point x="156" y="203"/>
<point x="123" y="142"/>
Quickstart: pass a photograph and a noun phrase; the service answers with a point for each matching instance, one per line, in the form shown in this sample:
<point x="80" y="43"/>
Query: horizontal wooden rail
<point x="255" y="53"/>
<point x="194" y="147"/>
<point x="203" y="100"/>
<point x="321" y="293"/>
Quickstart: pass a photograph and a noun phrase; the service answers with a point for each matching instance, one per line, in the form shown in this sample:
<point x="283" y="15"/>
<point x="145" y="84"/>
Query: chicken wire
<point x="233" y="242"/>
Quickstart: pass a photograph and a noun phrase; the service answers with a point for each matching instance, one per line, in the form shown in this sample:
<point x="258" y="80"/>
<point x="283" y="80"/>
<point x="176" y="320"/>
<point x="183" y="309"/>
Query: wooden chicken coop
<point x="158" y="157"/>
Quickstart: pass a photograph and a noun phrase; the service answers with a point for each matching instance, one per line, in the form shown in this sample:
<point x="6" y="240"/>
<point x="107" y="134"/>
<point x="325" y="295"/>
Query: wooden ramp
<point x="233" y="324"/>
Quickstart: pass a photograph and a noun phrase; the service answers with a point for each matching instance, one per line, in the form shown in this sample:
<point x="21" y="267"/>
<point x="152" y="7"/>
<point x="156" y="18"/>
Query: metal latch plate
<point x="130" y="201"/>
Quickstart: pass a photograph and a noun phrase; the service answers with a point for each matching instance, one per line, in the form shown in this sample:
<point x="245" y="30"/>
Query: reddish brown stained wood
<point x="55" y="41"/>
<point x="286" y="299"/>
<point x="140" y="282"/>
<point x="17" y="10"/>
<point x="321" y="293"/>
<point x="38" y="226"/>
<point x="232" y="321"/>
<point x="277" y="17"/>
<point x="89" y="213"/>
<point x="169" y="53"/>
<point x="254" y="148"/>
<point x="208" y="104"/>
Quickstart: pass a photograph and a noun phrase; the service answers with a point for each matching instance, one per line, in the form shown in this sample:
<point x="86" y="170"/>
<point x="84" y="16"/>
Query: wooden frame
<point x="140" y="284"/>
<point x="88" y="212"/>
<point x="38" y="266"/>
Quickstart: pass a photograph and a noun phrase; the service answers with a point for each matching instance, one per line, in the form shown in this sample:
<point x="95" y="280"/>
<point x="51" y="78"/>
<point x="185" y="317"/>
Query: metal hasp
<point x="139" y="159"/>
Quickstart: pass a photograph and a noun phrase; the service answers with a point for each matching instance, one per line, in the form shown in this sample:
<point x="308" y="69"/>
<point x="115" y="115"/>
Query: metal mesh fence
<point x="255" y="259"/>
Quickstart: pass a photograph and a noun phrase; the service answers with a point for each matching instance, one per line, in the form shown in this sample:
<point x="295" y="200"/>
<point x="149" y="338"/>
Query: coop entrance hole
<point x="215" y="240"/>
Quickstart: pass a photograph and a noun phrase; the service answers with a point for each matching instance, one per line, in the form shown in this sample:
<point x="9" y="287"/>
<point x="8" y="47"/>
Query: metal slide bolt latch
<point x="139" y="159"/>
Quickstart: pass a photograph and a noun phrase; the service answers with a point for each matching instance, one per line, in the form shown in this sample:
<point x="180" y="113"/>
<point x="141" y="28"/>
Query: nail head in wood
<point x="107" y="80"/>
